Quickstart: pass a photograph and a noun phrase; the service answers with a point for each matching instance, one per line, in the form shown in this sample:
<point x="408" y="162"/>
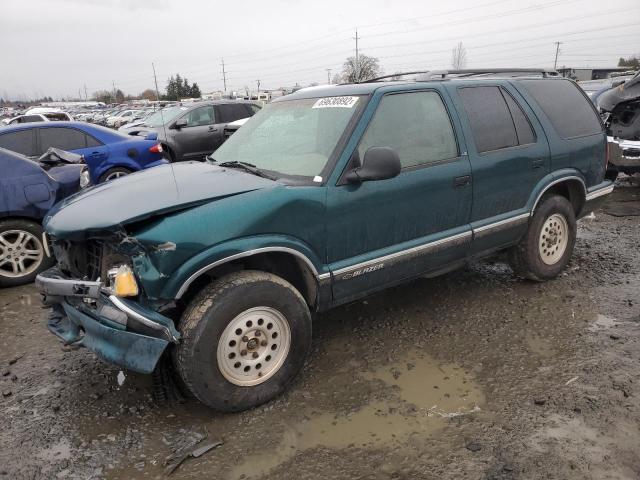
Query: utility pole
<point x="114" y="91"/>
<point x="357" y="69"/>
<point x="156" y="80"/>
<point x="224" y="76"/>
<point x="258" y="82"/>
<point x="555" y="62"/>
<point x="329" y="76"/>
<point x="85" y="92"/>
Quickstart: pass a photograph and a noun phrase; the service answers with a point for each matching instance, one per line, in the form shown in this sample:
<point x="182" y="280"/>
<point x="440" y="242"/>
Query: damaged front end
<point x="620" y="111"/>
<point x="98" y="302"/>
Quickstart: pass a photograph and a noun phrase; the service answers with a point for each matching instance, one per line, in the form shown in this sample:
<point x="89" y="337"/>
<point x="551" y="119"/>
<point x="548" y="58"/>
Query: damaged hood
<point x="628" y="91"/>
<point x="146" y="194"/>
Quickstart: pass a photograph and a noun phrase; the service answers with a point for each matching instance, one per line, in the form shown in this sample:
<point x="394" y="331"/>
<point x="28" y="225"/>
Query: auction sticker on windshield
<point x="333" y="102"/>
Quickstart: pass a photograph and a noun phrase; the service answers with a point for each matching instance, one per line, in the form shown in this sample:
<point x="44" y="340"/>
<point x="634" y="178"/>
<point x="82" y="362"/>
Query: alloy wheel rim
<point x="553" y="240"/>
<point x="21" y="253"/>
<point x="114" y="175"/>
<point x="254" y="346"/>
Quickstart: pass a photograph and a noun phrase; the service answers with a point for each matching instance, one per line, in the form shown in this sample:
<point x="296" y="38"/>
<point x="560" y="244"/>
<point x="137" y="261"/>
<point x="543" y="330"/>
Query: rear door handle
<point x="462" y="181"/>
<point x="538" y="163"/>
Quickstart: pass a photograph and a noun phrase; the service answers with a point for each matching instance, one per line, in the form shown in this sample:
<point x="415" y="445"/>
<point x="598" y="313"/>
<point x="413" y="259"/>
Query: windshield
<point x="167" y="114"/>
<point x="294" y="137"/>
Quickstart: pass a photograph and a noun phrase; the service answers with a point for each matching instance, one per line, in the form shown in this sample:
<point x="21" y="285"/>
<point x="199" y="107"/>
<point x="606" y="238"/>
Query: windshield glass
<point x="167" y="114"/>
<point x="294" y="137"/>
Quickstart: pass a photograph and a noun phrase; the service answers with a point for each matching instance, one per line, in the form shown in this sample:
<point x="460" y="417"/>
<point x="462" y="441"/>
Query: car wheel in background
<point x="244" y="339"/>
<point x="547" y="246"/>
<point x="113" y="173"/>
<point x="22" y="254"/>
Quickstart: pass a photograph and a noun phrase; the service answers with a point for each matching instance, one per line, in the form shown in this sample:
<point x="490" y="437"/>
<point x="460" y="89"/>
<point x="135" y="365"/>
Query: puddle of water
<point x="438" y="391"/>
<point x="57" y="452"/>
<point x="602" y="323"/>
<point x="539" y="345"/>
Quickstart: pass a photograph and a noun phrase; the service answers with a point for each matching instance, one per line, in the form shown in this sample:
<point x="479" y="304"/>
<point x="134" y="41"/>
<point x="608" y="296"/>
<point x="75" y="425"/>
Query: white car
<point x="40" y="115"/>
<point x="125" y="116"/>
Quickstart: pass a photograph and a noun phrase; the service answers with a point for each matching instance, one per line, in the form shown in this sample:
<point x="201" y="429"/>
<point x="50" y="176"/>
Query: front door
<point x="383" y="232"/>
<point x="201" y="134"/>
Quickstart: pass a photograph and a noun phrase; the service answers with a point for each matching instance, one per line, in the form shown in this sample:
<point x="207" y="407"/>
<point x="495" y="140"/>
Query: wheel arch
<point x="570" y="186"/>
<point x="284" y="261"/>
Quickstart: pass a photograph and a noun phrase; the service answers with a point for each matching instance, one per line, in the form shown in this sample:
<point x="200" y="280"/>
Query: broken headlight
<point x="122" y="282"/>
<point x="85" y="179"/>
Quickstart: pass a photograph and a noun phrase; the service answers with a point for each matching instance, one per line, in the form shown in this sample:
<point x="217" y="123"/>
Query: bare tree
<point x="368" y="67"/>
<point x="336" y="79"/>
<point x="459" y="57"/>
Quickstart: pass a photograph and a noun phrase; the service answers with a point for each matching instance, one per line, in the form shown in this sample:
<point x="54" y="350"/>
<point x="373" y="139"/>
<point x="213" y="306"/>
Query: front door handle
<point x="538" y="163"/>
<point x="213" y="129"/>
<point x="462" y="181"/>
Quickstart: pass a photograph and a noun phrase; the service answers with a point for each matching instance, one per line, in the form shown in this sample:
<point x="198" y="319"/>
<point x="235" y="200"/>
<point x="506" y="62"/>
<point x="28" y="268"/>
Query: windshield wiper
<point x="246" y="166"/>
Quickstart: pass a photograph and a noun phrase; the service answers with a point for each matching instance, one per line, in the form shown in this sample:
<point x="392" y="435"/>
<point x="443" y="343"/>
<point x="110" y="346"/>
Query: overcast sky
<point x="56" y="47"/>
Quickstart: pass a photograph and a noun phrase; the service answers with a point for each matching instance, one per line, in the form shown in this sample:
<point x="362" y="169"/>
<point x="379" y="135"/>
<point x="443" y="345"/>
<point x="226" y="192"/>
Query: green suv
<point x="321" y="198"/>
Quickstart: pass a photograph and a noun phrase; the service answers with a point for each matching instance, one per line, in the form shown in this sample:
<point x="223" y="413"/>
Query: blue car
<point x="28" y="189"/>
<point x="108" y="154"/>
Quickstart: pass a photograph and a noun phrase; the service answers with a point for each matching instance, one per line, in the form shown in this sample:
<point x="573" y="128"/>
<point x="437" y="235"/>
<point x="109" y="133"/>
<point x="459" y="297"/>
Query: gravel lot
<point x="475" y="375"/>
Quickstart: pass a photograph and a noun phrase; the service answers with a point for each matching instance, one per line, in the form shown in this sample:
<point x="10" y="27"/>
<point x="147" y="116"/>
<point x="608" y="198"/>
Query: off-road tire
<point x="35" y="230"/>
<point x="115" y="170"/>
<point x="207" y="317"/>
<point x="526" y="258"/>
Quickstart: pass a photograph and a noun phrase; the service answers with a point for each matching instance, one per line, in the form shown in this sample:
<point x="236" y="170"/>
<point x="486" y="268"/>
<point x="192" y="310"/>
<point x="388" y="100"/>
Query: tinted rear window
<point x="568" y="110"/>
<point x="231" y="113"/>
<point x="22" y="141"/>
<point x="490" y="119"/>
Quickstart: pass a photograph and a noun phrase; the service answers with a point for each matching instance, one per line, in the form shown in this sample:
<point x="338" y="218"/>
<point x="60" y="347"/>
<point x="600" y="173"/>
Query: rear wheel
<point x="244" y="339"/>
<point x="22" y="254"/>
<point x="547" y="246"/>
<point x="113" y="173"/>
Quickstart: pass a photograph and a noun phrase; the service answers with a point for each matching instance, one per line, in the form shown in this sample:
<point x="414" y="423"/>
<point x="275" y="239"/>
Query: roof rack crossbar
<point x="546" y="73"/>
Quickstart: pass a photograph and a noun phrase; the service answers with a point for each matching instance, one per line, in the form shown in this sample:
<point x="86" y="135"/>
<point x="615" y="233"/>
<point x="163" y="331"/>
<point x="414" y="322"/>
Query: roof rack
<point x="513" y="72"/>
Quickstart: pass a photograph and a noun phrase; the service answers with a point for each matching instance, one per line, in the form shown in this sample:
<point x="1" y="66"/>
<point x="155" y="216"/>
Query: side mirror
<point x="380" y="163"/>
<point x="180" y="123"/>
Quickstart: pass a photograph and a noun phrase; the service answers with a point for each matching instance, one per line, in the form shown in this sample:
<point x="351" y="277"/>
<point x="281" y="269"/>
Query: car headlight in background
<point x="85" y="179"/>
<point x="122" y="281"/>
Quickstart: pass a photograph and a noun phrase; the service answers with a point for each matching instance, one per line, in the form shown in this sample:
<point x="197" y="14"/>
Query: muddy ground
<point x="474" y="375"/>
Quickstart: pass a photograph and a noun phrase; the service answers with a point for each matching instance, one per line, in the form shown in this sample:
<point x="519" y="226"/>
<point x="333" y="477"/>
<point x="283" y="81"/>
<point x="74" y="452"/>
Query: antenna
<point x="164" y="128"/>
<point x="555" y="62"/>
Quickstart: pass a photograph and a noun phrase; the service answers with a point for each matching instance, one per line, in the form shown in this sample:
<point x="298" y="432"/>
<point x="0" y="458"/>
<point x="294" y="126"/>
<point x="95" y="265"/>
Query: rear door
<point x="227" y="113"/>
<point x="509" y="155"/>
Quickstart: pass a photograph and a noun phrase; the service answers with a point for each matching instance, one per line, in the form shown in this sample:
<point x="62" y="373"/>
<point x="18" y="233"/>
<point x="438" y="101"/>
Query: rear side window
<point x="62" y="138"/>
<point x="416" y="125"/>
<point x="490" y="118"/>
<point x="231" y="113"/>
<point x="22" y="142"/>
<point x="568" y="110"/>
<point x="520" y="120"/>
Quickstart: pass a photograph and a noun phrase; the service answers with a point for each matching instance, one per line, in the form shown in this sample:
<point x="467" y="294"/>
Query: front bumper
<point x="118" y="330"/>
<point x="624" y="153"/>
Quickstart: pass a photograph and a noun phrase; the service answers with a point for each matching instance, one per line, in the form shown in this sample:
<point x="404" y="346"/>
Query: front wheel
<point x="244" y="339"/>
<point x="548" y="244"/>
<point x="22" y="254"/>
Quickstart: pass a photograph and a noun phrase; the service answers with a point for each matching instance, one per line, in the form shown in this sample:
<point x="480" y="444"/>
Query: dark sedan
<point x="29" y="189"/>
<point x="191" y="132"/>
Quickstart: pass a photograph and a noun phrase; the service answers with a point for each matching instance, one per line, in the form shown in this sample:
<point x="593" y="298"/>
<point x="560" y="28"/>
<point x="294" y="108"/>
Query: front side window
<point x="200" y="116"/>
<point x="293" y="137"/>
<point x="416" y="125"/>
<point x="62" y="138"/>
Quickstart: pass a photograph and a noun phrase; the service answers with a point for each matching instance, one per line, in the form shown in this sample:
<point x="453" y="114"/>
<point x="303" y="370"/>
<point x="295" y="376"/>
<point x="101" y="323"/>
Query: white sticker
<point x="335" y="102"/>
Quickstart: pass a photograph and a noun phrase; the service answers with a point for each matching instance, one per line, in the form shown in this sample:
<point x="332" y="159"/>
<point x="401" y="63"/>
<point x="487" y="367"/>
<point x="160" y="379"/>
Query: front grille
<point x="81" y="260"/>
